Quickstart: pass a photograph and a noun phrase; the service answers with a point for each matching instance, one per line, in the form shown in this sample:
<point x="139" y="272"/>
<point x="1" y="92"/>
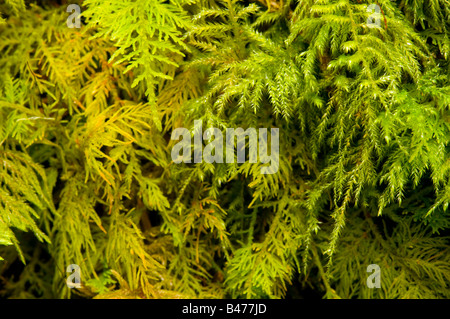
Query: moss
<point x="87" y="178"/>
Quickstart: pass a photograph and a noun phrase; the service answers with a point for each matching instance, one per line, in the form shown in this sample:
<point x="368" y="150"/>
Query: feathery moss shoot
<point x="92" y="91"/>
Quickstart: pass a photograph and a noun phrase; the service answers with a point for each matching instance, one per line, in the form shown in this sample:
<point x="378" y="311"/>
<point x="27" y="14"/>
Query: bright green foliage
<point x="86" y="175"/>
<point x="14" y="6"/>
<point x="147" y="34"/>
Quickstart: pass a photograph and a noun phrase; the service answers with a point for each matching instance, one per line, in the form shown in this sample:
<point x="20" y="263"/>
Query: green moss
<point x="86" y="175"/>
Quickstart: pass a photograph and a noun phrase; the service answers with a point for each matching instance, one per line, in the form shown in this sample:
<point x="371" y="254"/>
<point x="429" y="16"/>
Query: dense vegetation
<point x="362" y="103"/>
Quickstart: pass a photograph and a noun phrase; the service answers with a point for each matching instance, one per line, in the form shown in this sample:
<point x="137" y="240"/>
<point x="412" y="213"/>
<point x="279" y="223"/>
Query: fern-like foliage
<point x="147" y="35"/>
<point x="407" y="254"/>
<point x="86" y="175"/>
